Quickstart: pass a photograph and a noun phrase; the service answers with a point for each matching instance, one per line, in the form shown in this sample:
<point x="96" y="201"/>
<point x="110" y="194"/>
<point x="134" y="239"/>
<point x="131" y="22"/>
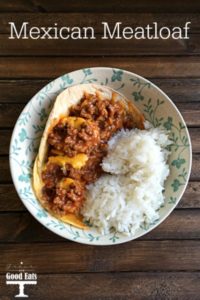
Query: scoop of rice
<point x="132" y="192"/>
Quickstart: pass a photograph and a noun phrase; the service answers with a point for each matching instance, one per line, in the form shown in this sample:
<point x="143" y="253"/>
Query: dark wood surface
<point x="165" y="263"/>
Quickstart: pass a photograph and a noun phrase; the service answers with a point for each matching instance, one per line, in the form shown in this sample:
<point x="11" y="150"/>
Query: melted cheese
<point x="74" y="220"/>
<point x="73" y="121"/>
<point x="65" y="183"/>
<point x="77" y="162"/>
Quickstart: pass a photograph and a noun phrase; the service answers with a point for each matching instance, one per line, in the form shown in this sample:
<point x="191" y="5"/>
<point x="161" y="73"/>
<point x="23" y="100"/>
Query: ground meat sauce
<point x="69" y="200"/>
<point x="52" y="175"/>
<point x="109" y="115"/>
<point x="71" y="140"/>
<point x="87" y="129"/>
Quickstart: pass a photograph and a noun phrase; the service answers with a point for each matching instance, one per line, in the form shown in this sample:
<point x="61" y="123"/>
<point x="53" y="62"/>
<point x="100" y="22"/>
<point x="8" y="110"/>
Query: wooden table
<point x="164" y="264"/>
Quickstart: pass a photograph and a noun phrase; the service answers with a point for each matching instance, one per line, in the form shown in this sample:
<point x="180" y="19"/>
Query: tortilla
<point x="69" y="97"/>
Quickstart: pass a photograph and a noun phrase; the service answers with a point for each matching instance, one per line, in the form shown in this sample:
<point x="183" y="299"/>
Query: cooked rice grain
<point x="132" y="191"/>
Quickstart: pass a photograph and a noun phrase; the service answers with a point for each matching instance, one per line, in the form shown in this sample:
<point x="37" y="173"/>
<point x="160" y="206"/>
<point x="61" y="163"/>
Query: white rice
<point x="132" y="192"/>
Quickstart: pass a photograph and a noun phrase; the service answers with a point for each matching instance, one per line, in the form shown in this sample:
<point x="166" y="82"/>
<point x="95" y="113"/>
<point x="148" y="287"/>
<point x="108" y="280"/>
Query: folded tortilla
<point x="70" y="97"/>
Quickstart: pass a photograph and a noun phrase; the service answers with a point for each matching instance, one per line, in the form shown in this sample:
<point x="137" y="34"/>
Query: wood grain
<point x="190" y="112"/>
<point x="195" y="139"/>
<point x="21" y="91"/>
<point x="98" y="47"/>
<point x="51" y="67"/>
<point x="17" y="6"/>
<point x="177" y="89"/>
<point x="5" y="175"/>
<point x="133" y="256"/>
<point x="9" y="113"/>
<point x="22" y="227"/>
<point x="10" y="202"/>
<point x="5" y="136"/>
<point x="164" y="264"/>
<point x="94" y="20"/>
<point x="112" y="286"/>
<point x="191" y="197"/>
<point x="104" y="6"/>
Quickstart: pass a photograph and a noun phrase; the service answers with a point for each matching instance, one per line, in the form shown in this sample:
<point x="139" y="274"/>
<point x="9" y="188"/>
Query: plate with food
<point x="100" y="156"/>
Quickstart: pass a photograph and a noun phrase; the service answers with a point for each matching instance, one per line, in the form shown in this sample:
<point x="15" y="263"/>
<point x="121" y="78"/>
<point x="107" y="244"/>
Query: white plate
<point x="157" y="108"/>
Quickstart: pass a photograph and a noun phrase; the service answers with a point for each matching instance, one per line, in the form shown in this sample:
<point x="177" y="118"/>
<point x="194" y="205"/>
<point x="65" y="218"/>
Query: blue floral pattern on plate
<point x="157" y="108"/>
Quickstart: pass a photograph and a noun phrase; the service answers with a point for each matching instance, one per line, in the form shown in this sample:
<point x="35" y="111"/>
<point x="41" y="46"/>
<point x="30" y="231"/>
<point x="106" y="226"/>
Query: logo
<point x="21" y="276"/>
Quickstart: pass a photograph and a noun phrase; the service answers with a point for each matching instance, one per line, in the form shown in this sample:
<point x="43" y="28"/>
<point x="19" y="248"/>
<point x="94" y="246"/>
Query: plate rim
<point x="129" y="238"/>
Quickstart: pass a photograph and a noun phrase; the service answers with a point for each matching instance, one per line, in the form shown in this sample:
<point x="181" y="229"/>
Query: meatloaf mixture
<point x="77" y="145"/>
